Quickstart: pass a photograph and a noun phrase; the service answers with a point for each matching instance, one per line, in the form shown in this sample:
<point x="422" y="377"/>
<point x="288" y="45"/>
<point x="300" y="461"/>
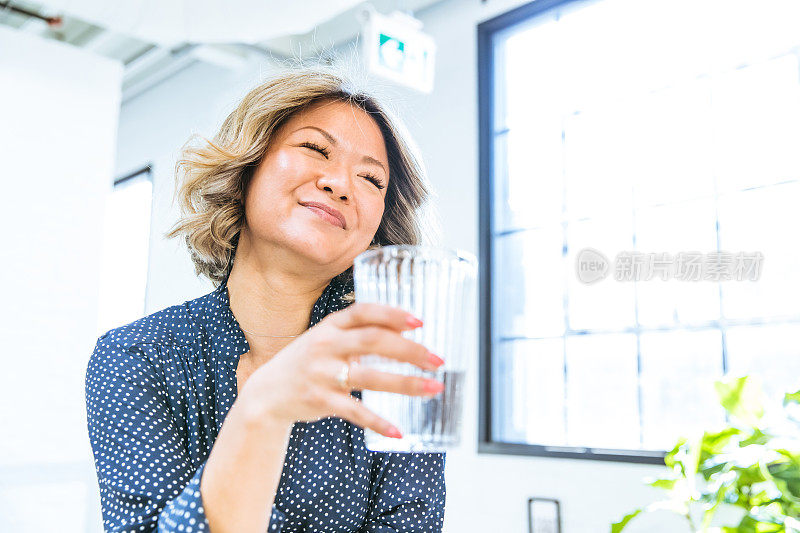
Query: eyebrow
<point x="333" y="141"/>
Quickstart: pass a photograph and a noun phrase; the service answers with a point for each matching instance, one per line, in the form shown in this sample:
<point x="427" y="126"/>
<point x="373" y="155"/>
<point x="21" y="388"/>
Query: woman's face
<point x="319" y="190"/>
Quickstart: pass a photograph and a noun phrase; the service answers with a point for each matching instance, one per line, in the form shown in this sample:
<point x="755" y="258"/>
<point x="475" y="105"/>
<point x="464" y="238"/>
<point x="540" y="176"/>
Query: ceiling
<point x="160" y="43"/>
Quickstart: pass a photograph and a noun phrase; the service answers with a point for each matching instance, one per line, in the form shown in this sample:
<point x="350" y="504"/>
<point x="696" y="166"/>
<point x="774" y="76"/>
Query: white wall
<point x="484" y="492"/>
<point x="58" y="122"/>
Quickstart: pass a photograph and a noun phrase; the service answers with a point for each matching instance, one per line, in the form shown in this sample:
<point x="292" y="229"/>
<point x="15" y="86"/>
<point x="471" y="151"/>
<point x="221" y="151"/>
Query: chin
<point x="320" y="249"/>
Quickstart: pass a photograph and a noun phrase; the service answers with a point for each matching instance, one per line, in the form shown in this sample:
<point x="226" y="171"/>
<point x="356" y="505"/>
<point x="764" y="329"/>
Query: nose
<point x="336" y="183"/>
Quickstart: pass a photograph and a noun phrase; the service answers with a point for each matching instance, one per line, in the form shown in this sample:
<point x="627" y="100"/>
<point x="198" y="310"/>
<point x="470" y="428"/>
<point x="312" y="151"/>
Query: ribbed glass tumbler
<point x="437" y="286"/>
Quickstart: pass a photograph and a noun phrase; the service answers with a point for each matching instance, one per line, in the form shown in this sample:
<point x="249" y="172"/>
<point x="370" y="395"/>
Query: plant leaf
<point x="756" y="437"/>
<point x="791" y="397"/>
<point x="711" y="468"/>
<point x="670" y="459"/>
<point x="787" y="477"/>
<point x="758" y="524"/>
<point x="617" y="527"/>
<point x="714" y="443"/>
<point x="666" y="484"/>
<point x="742" y="398"/>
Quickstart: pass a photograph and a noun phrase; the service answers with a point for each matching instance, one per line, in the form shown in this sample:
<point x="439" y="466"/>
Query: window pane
<point x="678" y="370"/>
<point x="607" y="304"/>
<point x="533" y="405"/>
<point x="597" y="164"/>
<point x="672" y="134"/>
<point x="528" y="294"/>
<point x="772" y="352"/>
<point x="750" y="32"/>
<point x="602" y="391"/>
<point x="529" y="57"/>
<point x="533" y="191"/>
<point x="763" y="220"/>
<point x="126" y="244"/>
<point x="681" y="227"/>
<point x="756" y="113"/>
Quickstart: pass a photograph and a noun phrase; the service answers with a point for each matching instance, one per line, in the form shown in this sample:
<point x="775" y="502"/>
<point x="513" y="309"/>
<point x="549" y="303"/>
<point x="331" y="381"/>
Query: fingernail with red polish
<point x="434" y="386"/>
<point x="394" y="433"/>
<point x="435" y="360"/>
<point x="413" y="322"/>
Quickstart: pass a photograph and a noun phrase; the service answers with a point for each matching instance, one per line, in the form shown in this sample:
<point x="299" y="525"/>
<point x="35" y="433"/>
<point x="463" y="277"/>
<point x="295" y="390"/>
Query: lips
<point x="326" y="212"/>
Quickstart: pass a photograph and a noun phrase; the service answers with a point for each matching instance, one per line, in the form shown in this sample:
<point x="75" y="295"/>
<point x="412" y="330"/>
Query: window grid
<point x="490" y="66"/>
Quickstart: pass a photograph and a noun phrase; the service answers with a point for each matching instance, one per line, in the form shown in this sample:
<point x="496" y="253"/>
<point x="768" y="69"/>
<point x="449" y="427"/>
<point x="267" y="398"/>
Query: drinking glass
<point x="436" y="285"/>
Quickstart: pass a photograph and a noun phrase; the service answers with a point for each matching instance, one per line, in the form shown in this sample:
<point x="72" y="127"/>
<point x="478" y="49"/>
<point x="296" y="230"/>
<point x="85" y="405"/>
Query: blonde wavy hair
<point x="212" y="175"/>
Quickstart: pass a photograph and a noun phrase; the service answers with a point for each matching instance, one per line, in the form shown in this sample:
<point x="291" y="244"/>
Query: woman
<point x="238" y="411"/>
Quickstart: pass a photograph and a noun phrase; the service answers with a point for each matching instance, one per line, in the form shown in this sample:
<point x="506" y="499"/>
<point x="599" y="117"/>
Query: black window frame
<point x="487" y="30"/>
<point x="147" y="170"/>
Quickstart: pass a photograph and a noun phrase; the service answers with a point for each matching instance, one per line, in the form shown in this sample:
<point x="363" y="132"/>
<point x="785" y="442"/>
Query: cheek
<point x="375" y="210"/>
<point x="275" y="178"/>
<point x="283" y="161"/>
<point x="281" y="168"/>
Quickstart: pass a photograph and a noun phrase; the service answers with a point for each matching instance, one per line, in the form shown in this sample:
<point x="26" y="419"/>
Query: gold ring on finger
<point x="343" y="377"/>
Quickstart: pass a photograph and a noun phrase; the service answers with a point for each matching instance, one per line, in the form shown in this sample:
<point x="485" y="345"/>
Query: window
<point x="633" y="126"/>
<point x="126" y="244"/>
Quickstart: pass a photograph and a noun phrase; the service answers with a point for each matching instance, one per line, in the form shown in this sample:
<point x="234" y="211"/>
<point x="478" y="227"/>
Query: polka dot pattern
<point x="157" y="392"/>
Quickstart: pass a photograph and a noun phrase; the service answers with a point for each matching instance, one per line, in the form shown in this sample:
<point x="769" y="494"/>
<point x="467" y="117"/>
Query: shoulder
<point x="169" y="326"/>
<point x="139" y="350"/>
<point x="172" y="326"/>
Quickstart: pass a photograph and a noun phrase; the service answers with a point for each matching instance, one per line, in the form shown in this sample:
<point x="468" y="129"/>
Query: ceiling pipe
<point x="53" y="22"/>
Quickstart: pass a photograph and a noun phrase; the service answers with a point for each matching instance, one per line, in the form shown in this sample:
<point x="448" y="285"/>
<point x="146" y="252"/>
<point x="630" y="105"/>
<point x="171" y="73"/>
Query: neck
<point x="268" y="298"/>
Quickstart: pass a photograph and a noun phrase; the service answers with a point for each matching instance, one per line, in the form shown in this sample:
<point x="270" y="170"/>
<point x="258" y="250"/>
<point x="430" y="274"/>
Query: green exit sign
<point x="396" y="49"/>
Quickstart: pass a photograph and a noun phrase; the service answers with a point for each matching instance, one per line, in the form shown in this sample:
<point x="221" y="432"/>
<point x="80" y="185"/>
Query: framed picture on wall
<point x="544" y="515"/>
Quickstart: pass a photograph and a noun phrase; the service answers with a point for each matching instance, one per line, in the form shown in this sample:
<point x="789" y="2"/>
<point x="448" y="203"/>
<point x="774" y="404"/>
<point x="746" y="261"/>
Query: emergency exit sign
<point x="396" y="49"/>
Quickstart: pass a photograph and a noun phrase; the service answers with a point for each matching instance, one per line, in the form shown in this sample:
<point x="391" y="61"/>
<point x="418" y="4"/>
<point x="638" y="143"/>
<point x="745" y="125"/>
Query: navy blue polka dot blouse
<point x="157" y="392"/>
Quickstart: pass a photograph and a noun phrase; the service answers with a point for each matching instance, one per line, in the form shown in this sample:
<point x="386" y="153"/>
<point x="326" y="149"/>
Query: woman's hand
<point x="299" y="383"/>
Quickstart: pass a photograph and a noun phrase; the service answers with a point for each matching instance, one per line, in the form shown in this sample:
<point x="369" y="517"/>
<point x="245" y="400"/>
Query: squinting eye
<point x="375" y="181"/>
<point x="325" y="152"/>
<point x="317" y="148"/>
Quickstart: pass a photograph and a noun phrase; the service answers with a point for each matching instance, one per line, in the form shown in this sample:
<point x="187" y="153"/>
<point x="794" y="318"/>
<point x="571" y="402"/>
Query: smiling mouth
<point x="324" y="215"/>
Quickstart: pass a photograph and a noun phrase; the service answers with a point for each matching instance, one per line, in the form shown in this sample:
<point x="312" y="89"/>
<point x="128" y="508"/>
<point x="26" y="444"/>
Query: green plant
<point x="750" y="468"/>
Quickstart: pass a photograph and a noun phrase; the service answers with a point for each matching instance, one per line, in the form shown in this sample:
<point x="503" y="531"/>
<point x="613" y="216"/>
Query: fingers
<point x="381" y="341"/>
<point x="362" y="314"/>
<point x="351" y="409"/>
<point x="362" y="377"/>
<point x="367" y="328"/>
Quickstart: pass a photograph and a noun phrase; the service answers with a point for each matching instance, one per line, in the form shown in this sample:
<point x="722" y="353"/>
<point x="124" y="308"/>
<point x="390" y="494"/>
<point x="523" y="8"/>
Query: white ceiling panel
<point x="168" y="22"/>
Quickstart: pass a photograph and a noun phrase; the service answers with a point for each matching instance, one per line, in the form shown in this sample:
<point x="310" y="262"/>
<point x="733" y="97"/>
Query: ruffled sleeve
<point x="185" y="513"/>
